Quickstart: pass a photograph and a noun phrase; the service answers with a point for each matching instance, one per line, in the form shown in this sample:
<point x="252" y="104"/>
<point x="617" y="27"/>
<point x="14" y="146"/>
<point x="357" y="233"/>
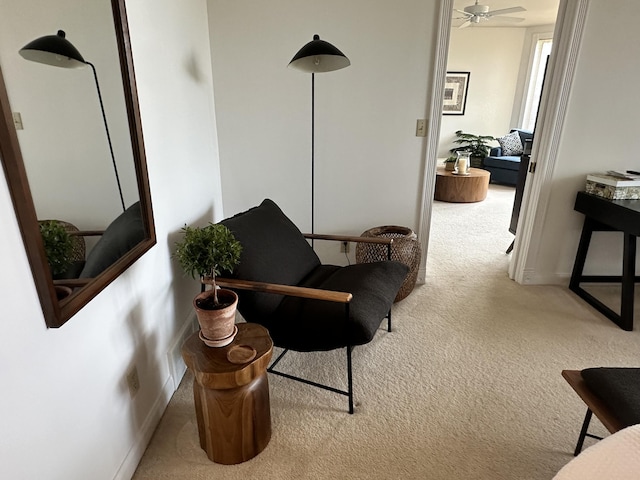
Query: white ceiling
<point x="539" y="12"/>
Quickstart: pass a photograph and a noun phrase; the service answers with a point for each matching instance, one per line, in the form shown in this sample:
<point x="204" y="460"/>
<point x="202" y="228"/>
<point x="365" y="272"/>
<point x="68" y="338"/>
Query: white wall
<point x="492" y="55"/>
<point x="65" y="412"/>
<point x="369" y="163"/>
<point x="600" y="133"/>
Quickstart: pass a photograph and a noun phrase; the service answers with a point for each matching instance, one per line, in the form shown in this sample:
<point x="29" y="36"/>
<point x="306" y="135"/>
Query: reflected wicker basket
<point x="405" y="249"/>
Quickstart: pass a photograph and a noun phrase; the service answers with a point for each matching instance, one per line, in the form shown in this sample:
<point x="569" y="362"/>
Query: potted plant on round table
<point x="449" y="163"/>
<point x="205" y="252"/>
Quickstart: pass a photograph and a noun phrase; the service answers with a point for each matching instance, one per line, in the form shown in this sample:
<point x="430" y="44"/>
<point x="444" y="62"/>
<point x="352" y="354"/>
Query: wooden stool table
<point x="462" y="188"/>
<point x="232" y="399"/>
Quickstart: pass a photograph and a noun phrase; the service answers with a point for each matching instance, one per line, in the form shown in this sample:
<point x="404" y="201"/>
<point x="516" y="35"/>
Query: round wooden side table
<point x="462" y="188"/>
<point x="231" y="394"/>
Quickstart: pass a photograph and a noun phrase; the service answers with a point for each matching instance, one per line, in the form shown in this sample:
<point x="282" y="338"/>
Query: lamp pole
<point x="313" y="151"/>
<point x="106" y="128"/>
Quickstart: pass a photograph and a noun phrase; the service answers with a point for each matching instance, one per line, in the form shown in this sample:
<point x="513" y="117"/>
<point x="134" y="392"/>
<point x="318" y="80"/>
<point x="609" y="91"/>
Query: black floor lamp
<point x="317" y="56"/>
<point x="56" y="50"/>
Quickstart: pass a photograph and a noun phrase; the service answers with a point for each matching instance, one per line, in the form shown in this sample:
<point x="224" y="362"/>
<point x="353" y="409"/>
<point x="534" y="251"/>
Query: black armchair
<point x="307" y="306"/>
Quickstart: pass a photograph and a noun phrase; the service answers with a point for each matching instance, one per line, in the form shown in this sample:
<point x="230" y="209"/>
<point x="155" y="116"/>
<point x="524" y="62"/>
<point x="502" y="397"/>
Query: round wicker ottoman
<point x="405" y="249"/>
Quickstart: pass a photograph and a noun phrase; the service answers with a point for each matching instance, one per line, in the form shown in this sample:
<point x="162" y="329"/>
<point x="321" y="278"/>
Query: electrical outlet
<point x="133" y="381"/>
<point x="17" y="121"/>
<point x="344" y="247"/>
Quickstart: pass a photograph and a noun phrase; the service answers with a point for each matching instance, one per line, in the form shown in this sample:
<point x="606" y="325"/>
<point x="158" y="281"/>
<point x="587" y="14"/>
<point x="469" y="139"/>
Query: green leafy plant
<point x="58" y="245"/>
<point x="476" y="145"/>
<point x="207" y="251"/>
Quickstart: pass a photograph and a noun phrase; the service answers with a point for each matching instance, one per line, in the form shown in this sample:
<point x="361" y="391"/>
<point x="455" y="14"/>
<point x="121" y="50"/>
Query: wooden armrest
<point x="303" y="292"/>
<point x="350" y="238"/>
<point x="72" y="282"/>
<point x="595" y="404"/>
<point x="87" y="233"/>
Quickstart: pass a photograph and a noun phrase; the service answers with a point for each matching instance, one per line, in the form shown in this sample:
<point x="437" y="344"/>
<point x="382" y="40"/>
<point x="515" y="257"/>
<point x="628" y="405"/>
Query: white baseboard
<point x="560" y="279"/>
<point x="422" y="276"/>
<point x="130" y="463"/>
<point x="177" y="369"/>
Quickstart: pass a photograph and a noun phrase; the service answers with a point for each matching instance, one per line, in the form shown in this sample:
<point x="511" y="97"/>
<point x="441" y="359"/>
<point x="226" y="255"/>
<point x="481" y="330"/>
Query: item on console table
<point x="612" y="187"/>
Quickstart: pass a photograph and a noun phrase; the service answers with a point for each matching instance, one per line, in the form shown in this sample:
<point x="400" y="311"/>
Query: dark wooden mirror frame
<point x="56" y="313"/>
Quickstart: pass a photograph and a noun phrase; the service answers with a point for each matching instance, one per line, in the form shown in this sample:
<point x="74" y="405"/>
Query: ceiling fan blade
<point x="466" y="14"/>
<point x="505" y="19"/>
<point x="504" y="11"/>
<point x="465" y="24"/>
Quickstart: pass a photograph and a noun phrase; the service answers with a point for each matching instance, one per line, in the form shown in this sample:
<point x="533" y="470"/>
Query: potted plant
<point x="205" y="252"/>
<point x="58" y="247"/>
<point x="450" y="163"/>
<point x="475" y="144"/>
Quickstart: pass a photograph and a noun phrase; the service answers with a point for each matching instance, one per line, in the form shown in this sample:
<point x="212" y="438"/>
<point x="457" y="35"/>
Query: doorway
<point x="567" y="35"/>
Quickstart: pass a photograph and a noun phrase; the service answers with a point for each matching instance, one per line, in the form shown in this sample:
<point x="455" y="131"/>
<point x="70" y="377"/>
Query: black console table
<point x="608" y="215"/>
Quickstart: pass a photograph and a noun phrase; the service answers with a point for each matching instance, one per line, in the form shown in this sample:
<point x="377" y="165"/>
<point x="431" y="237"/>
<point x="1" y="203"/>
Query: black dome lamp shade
<point x="57" y="51"/>
<point x="319" y="56"/>
<point x="53" y="50"/>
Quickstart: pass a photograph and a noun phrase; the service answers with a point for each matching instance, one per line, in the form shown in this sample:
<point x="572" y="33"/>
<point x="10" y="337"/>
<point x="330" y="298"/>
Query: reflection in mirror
<point x="57" y="51"/>
<point x="71" y="144"/>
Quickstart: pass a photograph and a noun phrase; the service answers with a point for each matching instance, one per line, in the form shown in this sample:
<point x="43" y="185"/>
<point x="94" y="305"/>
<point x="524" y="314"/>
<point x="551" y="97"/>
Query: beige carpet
<point x="468" y="385"/>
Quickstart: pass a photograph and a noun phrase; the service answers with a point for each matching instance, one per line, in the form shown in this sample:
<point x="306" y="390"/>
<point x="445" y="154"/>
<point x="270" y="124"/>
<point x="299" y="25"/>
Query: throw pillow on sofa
<point x="511" y="144"/>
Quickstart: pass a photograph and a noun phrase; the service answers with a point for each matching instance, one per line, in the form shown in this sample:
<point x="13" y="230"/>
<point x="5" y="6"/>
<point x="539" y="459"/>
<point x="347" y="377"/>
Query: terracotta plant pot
<point x="217" y="326"/>
<point x="62" y="292"/>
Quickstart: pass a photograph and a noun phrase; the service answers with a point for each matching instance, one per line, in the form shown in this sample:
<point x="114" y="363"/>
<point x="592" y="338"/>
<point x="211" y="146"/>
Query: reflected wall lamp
<point x="317" y="56"/>
<point x="57" y="51"/>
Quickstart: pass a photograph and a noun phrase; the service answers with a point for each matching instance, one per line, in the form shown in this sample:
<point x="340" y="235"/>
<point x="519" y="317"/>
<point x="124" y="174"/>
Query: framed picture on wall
<point x="456" y="85"/>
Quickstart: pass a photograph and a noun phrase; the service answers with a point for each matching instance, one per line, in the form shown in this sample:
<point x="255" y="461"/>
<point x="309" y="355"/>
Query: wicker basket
<point x="405" y="249"/>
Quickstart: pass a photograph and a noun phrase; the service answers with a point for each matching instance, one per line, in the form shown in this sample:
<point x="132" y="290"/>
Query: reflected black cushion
<point x="619" y="389"/>
<point x="124" y="233"/>
<point x="275" y="251"/>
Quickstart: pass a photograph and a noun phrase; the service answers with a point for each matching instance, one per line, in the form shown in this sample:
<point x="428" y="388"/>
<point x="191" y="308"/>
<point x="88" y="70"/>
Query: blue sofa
<point x="504" y="168"/>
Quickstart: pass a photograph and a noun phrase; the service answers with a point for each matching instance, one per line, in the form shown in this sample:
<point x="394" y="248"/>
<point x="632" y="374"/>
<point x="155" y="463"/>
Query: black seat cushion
<point x="273" y="250"/>
<point x="618" y="388"/>
<point x="311" y="325"/>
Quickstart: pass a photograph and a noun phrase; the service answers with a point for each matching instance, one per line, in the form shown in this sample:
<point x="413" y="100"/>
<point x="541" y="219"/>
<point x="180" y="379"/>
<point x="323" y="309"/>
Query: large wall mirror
<point x="71" y="147"/>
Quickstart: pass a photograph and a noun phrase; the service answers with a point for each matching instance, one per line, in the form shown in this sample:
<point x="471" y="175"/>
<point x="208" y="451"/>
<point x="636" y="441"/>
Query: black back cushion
<point x="124" y="233"/>
<point x="273" y="250"/>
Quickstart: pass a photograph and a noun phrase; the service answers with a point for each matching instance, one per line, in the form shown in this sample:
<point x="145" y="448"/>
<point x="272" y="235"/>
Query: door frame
<point x="568" y="32"/>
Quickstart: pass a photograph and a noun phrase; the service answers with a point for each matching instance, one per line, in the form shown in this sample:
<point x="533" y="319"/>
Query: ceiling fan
<point x="476" y="13"/>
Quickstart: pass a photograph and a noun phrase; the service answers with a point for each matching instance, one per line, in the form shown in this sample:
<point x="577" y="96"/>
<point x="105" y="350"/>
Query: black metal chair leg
<point x="389" y="321"/>
<point x="510" y="248"/>
<point x="350" y="379"/>
<point x="583" y="432"/>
